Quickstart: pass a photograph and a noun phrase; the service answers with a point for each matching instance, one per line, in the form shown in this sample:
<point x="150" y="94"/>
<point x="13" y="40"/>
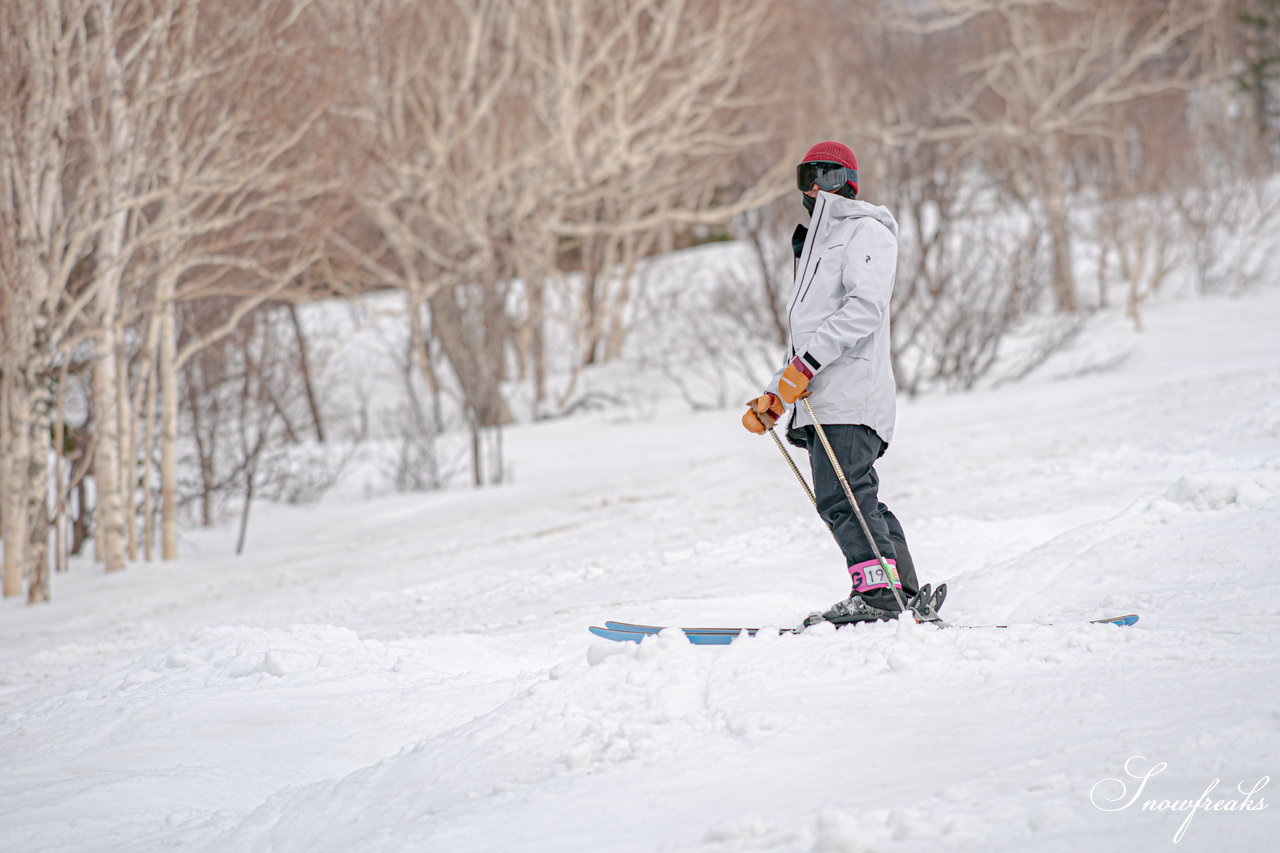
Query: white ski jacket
<point x="838" y="314"/>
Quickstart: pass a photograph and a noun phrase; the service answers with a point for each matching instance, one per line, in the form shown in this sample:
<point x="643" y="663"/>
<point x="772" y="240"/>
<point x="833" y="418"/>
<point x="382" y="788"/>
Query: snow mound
<point x="1208" y="491"/>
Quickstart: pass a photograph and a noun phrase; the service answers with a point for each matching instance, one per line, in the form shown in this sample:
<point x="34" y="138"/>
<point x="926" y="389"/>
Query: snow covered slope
<point x="415" y="673"/>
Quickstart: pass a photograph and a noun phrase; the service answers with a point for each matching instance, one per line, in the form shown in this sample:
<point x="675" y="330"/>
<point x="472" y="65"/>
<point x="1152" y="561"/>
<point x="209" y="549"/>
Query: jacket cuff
<point x="772" y="388"/>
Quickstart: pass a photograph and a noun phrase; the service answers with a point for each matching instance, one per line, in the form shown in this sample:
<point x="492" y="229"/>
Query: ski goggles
<point x="828" y="176"/>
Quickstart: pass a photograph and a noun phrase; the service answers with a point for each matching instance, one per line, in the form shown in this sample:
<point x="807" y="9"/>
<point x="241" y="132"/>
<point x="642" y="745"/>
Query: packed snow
<point x="415" y="673"/>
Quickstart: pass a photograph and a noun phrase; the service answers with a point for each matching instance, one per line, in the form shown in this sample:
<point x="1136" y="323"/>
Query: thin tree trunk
<point x="537" y="340"/>
<point x="421" y="348"/>
<point x="591" y="310"/>
<point x="1064" y="280"/>
<point x="499" y="460"/>
<point x="148" y="458"/>
<point x="80" y="531"/>
<point x="59" y="448"/>
<point x="137" y="408"/>
<point x="261" y="423"/>
<point x="5" y="461"/>
<point x="128" y="457"/>
<point x="18" y="435"/>
<point x="108" y="510"/>
<point x="1055" y="197"/>
<point x="38" y="502"/>
<point x="250" y="478"/>
<point x="168" y="432"/>
<point x="204" y="453"/>
<point x="304" y="364"/>
<point x="477" y="450"/>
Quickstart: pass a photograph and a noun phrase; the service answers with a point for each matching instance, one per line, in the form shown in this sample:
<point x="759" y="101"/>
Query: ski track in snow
<point x="414" y="673"/>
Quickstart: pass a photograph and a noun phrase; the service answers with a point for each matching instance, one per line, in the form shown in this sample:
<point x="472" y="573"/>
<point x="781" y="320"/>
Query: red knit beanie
<point x="833" y="152"/>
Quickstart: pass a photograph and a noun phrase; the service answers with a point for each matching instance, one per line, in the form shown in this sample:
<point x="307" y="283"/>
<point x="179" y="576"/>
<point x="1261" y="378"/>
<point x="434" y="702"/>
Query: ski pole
<point x="803" y="483"/>
<point x="857" y="510"/>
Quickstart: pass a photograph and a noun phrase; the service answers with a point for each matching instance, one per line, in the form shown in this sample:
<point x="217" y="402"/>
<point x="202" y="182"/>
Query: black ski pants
<point x="857" y="449"/>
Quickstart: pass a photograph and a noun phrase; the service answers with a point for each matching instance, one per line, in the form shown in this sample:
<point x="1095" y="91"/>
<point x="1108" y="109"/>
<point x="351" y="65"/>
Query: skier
<point x="838" y="318"/>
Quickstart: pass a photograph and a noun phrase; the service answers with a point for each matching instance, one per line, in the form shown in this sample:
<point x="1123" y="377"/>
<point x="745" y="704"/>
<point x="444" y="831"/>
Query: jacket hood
<point x="839" y="207"/>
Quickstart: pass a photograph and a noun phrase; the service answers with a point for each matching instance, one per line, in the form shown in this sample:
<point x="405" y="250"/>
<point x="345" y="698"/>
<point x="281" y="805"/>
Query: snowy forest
<point x="181" y="179"/>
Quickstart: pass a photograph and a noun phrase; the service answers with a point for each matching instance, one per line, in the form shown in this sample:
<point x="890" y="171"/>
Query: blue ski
<point x="629" y="632"/>
<point x="713" y="638"/>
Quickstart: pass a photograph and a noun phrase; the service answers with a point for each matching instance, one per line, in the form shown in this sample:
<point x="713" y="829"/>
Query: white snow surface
<point x="414" y="673"/>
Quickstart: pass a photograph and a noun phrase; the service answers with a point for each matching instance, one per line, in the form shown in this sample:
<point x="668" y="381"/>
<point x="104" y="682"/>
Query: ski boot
<point x="852" y="609"/>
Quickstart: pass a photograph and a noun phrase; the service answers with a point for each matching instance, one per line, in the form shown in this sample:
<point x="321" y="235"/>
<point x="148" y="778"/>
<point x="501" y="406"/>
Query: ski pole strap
<point x="873" y="575"/>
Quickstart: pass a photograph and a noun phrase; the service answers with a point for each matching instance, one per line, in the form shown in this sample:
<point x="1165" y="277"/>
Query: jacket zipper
<point x="805" y="292"/>
<point x="813" y="226"/>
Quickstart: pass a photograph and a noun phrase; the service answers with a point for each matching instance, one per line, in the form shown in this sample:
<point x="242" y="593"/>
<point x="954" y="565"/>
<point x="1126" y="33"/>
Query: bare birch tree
<point x="1046" y="79"/>
<point x="50" y="226"/>
<point x="643" y="109"/>
<point x="148" y="147"/>
<point x="247" y="166"/>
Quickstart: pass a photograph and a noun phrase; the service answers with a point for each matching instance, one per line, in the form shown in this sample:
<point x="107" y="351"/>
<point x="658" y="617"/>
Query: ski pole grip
<point x="765" y="417"/>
